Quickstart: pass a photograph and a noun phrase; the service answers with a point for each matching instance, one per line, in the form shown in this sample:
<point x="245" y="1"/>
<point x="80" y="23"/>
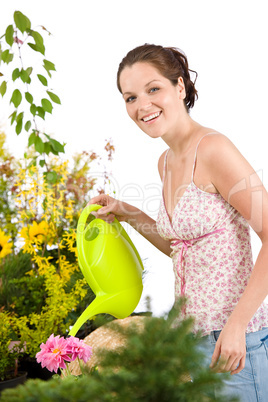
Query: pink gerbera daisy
<point x="78" y="348"/>
<point x="54" y="353"/>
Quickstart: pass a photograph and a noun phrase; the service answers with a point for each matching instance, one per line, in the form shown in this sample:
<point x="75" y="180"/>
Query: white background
<point x="226" y="43"/>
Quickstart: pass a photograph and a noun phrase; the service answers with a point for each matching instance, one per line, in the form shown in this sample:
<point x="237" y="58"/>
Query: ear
<point x="181" y="88"/>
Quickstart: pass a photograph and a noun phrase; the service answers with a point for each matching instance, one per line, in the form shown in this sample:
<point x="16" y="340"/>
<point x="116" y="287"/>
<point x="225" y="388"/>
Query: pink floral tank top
<point x="212" y="257"/>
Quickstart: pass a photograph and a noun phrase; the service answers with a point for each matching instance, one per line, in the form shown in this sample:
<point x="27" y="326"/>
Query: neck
<point x="181" y="138"/>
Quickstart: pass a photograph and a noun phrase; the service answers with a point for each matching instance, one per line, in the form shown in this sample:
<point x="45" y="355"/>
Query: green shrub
<point x="150" y="368"/>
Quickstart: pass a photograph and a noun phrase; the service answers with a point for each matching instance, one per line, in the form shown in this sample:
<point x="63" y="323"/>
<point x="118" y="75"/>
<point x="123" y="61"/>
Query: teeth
<point x="152" y="116"/>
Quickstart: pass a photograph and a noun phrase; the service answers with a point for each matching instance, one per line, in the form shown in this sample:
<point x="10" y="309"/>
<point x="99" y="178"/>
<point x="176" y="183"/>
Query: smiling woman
<point x="156" y="86"/>
<point x="169" y="62"/>
<point x="209" y="199"/>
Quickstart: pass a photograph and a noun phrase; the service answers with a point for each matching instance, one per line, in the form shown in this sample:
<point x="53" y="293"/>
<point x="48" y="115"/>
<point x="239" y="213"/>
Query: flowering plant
<point x="40" y="281"/>
<point x="5" y="245"/>
<point x="57" y="351"/>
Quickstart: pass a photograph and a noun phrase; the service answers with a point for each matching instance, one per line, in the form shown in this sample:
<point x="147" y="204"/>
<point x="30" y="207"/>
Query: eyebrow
<point x="146" y="85"/>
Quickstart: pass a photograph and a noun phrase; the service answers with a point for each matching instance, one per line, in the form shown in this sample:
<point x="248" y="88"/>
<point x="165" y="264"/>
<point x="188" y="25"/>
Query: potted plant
<point x="10" y="352"/>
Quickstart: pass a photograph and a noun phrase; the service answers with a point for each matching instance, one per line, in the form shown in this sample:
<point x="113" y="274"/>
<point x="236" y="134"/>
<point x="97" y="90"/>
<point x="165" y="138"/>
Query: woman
<point x="210" y="195"/>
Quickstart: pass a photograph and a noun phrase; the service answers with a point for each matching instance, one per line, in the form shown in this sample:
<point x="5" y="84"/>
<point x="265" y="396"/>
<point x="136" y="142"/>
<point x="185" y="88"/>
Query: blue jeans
<point x="251" y="384"/>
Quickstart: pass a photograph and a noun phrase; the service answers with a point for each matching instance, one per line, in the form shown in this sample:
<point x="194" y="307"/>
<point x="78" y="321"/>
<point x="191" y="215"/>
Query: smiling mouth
<point x="151" y="117"/>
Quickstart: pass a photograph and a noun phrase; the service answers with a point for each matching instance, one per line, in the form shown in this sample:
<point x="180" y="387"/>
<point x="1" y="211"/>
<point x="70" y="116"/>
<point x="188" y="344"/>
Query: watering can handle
<point x="94" y="207"/>
<point x="84" y="215"/>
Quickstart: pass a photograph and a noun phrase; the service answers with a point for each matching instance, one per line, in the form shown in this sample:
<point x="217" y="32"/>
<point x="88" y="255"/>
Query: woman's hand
<point x="112" y="208"/>
<point x="230" y="351"/>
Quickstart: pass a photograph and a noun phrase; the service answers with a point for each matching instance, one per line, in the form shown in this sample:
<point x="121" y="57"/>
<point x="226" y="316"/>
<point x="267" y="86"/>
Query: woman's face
<point x="152" y="101"/>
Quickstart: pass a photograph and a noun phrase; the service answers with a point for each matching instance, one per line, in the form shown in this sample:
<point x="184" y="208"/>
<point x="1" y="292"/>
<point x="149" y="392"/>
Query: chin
<point x="152" y="134"/>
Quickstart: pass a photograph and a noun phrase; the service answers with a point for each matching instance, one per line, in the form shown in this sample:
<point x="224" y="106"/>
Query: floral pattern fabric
<point x="212" y="257"/>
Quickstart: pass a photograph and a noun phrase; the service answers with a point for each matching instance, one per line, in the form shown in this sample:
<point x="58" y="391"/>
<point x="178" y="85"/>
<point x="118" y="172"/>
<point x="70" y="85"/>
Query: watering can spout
<point x="92" y="310"/>
<point x="111" y="265"/>
<point x="114" y="305"/>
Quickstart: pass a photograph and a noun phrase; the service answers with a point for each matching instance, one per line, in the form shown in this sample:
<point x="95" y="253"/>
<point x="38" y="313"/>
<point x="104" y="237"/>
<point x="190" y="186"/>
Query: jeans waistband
<point x="251" y="337"/>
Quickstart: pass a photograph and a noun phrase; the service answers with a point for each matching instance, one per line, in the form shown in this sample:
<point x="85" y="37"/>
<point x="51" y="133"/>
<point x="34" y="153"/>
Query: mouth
<point x="151" y="117"/>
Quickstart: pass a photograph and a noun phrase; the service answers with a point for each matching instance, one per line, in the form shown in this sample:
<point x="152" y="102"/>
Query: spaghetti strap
<point x="213" y="132"/>
<point x="164" y="167"/>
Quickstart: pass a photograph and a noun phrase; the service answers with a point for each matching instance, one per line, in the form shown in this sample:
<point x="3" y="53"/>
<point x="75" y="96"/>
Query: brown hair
<point x="169" y="61"/>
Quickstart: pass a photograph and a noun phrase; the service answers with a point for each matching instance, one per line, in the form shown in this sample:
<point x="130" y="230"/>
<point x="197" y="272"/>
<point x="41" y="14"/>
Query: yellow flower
<point x="36" y="233"/>
<point x="5" y="247"/>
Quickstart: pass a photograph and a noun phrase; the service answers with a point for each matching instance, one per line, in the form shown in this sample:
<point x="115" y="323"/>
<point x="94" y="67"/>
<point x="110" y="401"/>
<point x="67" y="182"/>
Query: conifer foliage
<point x="151" y="367"/>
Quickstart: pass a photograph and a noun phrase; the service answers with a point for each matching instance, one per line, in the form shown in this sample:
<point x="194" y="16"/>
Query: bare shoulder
<point x="215" y="144"/>
<point x="218" y="152"/>
<point x="161" y="163"/>
<point x="227" y="167"/>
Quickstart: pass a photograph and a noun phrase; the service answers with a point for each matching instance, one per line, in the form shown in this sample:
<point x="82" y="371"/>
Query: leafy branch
<point x="28" y="112"/>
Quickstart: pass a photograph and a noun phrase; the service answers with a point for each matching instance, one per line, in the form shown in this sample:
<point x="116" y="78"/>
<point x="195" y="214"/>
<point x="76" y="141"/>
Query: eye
<point x="130" y="99"/>
<point x="155" y="89"/>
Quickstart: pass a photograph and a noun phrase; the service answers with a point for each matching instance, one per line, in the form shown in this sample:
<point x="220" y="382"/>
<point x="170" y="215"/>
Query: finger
<point x="234" y="362"/>
<point x="232" y="367"/>
<point x="110" y="218"/>
<point x="221" y="366"/>
<point x="107" y="218"/>
<point x="227" y="365"/>
<point x="101" y="199"/>
<point x="104" y="210"/>
<point x="240" y="366"/>
<point x="215" y="357"/>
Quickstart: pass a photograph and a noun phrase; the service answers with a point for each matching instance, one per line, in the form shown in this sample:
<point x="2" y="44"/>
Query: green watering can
<point x="111" y="265"/>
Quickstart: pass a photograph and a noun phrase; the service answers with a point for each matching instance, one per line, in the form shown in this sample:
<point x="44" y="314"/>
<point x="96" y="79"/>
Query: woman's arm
<point x="239" y="184"/>
<point x="141" y="222"/>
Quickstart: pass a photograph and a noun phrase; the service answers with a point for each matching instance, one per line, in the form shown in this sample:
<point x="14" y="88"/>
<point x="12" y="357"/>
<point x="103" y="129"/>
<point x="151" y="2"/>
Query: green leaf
<point x="49" y="66"/>
<point x="51" y="177"/>
<point x="31" y="139"/>
<point x="47" y="149"/>
<point x="57" y="146"/>
<point x="29" y="97"/>
<point x="16" y="98"/>
<point x="47" y="105"/>
<point x="3" y="88"/>
<point x="39" y="42"/>
<point x="54" y="152"/>
<point x="38" y="38"/>
<point x="15" y="74"/>
<point x="6" y="56"/>
<point x="19" y="126"/>
<point x="40" y="112"/>
<point x="27" y="125"/>
<point x="54" y="97"/>
<point x="29" y="70"/>
<point x="37" y="48"/>
<point x="24" y="75"/>
<point x="39" y="145"/>
<point x="42" y="79"/>
<point x="13" y="117"/>
<point x="19" y="117"/>
<point x="42" y="162"/>
<point x="22" y="22"/>
<point x="9" y="35"/>
<point x="33" y="109"/>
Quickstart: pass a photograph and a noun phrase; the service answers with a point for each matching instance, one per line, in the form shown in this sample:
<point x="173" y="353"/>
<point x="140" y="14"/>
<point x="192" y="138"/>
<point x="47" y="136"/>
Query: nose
<point x="144" y="103"/>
